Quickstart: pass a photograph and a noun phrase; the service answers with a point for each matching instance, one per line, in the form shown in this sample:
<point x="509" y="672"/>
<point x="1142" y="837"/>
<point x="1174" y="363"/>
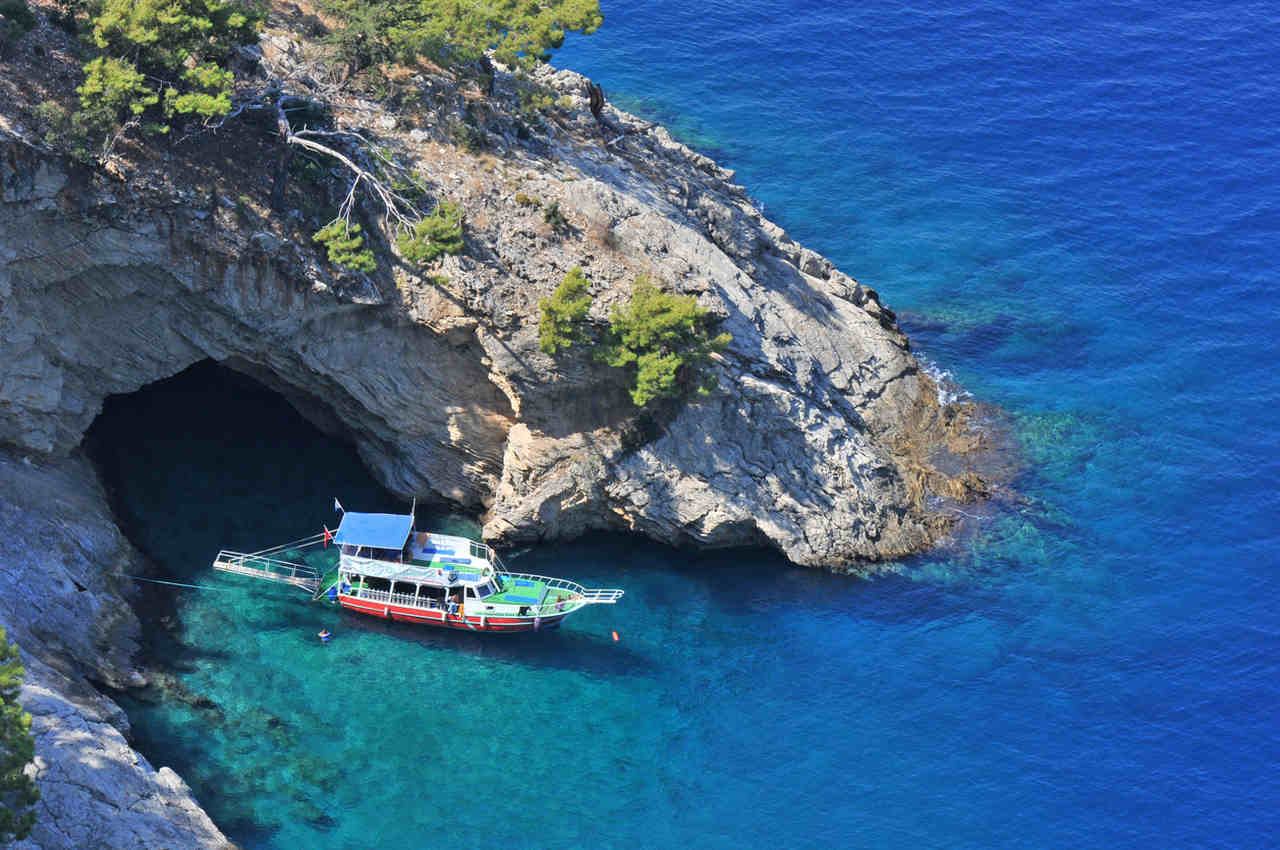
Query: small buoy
<point x="324" y="635"/>
<point x="615" y="636"/>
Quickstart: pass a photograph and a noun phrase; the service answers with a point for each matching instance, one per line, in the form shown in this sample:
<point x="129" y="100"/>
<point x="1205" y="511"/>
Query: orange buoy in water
<point x="615" y="636"/>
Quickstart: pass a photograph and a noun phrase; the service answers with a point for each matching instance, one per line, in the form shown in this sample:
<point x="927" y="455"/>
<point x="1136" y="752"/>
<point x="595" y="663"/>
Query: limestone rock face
<point x="101" y="297"/>
<point x="107" y="286"/>
<point x="95" y="790"/>
<point x="796" y="446"/>
<point x="64" y="603"/>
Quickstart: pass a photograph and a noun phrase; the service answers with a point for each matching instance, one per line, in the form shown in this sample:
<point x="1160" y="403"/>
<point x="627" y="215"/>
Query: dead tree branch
<point x="399" y="213"/>
<point x="595" y="100"/>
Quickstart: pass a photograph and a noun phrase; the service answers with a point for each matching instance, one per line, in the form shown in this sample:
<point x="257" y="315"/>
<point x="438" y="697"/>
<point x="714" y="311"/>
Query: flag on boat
<point x="337" y="506"/>
<point x="328" y="535"/>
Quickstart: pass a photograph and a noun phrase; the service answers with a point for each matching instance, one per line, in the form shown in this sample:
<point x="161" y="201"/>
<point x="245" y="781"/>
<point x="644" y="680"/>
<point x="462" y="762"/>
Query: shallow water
<point x="1074" y="209"/>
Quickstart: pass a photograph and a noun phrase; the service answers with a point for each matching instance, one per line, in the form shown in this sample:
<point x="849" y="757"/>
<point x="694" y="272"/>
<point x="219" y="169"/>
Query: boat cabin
<point x="383" y="560"/>
<point x="381" y="554"/>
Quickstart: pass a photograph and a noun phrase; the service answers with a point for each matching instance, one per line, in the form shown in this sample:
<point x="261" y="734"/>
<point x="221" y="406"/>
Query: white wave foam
<point x="949" y="392"/>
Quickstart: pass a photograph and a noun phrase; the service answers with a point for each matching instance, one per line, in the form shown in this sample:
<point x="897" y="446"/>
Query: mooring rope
<point x="179" y="584"/>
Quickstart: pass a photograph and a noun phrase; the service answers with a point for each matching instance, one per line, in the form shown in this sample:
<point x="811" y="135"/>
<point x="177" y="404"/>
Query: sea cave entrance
<point x="206" y="459"/>
<point x="213" y="458"/>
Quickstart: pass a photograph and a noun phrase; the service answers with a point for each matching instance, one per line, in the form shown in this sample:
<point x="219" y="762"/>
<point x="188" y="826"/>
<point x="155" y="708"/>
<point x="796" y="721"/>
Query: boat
<point x="385" y="568"/>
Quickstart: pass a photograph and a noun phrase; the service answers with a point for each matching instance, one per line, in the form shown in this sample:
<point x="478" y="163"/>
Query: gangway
<point x="267" y="566"/>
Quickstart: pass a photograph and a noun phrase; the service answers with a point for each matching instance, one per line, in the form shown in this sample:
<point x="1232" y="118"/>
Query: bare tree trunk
<point x="595" y="97"/>
<point x="280" y="180"/>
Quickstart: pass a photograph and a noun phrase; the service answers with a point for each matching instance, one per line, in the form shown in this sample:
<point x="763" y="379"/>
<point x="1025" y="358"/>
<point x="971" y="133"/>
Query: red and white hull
<point x="442" y="619"/>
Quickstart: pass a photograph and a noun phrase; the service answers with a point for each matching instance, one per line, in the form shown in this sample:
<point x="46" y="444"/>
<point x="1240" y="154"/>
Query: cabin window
<point x="406" y="587"/>
<point x="484" y="590"/>
<point x="471" y="593"/>
<point x="377" y="583"/>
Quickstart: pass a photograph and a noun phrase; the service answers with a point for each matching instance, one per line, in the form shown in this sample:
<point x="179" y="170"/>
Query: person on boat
<point x="324" y="635"/>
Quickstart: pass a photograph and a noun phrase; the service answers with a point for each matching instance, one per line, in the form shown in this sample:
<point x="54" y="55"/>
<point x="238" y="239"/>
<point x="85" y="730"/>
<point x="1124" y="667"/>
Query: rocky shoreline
<point x="67" y="604"/>
<point x="825" y="439"/>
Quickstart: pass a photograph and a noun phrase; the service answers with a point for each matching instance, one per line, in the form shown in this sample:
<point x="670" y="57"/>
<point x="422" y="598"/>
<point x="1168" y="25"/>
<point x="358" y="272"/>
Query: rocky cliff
<point x="817" y="441"/>
<point x="825" y="439"/>
<point x="63" y="600"/>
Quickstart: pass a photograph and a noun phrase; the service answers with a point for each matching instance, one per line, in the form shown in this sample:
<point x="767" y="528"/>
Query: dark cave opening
<point x="212" y="458"/>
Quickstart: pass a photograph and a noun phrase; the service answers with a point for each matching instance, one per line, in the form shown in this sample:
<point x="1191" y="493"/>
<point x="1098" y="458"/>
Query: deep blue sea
<point x="1075" y="208"/>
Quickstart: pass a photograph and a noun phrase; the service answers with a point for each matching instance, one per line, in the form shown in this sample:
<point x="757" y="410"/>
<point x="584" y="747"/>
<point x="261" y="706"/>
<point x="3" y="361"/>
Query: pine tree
<point x="664" y="340"/>
<point x="457" y="32"/>
<point x="346" y="246"/>
<point x="434" y="235"/>
<point x="170" y="53"/>
<point x="17" y="792"/>
<point x="563" y="314"/>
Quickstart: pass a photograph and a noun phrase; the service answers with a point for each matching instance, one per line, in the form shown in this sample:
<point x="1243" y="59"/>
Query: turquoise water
<point x="1074" y="209"/>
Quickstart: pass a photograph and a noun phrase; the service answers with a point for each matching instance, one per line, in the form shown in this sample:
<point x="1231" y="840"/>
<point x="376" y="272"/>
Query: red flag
<point x="328" y="535"/>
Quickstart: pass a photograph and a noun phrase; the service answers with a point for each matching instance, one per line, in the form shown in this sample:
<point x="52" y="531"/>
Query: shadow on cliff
<point x="794" y="288"/>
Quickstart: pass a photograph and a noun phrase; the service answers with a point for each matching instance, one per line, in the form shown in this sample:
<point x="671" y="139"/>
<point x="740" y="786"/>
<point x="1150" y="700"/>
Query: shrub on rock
<point x="664" y="339"/>
<point x="17" y="792"/>
<point x="434" y="235"/>
<point x="563" y="314"/>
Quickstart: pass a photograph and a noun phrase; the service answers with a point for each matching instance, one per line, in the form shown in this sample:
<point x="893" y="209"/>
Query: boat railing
<point x="579" y="595"/>
<point x="376" y="566"/>
<point x="600" y="595"/>
<point x="408" y="600"/>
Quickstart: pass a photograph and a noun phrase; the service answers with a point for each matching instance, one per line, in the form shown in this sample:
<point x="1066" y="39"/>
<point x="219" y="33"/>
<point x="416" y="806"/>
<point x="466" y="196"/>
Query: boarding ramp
<point x="268" y="564"/>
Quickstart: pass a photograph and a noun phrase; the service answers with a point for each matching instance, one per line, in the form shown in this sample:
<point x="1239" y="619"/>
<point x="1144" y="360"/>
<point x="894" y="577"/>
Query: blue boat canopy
<point x="381" y="531"/>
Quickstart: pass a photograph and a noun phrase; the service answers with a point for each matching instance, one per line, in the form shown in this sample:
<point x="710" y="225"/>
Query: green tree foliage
<point x="434" y="235"/>
<point x="17" y="792"/>
<point x="346" y="246"/>
<point x="16" y="20"/>
<point x="563" y="314"/>
<point x="665" y="340"/>
<point x="166" y="53"/>
<point x="113" y="87"/>
<point x="72" y="132"/>
<point x="457" y="32"/>
<point x="555" y="217"/>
